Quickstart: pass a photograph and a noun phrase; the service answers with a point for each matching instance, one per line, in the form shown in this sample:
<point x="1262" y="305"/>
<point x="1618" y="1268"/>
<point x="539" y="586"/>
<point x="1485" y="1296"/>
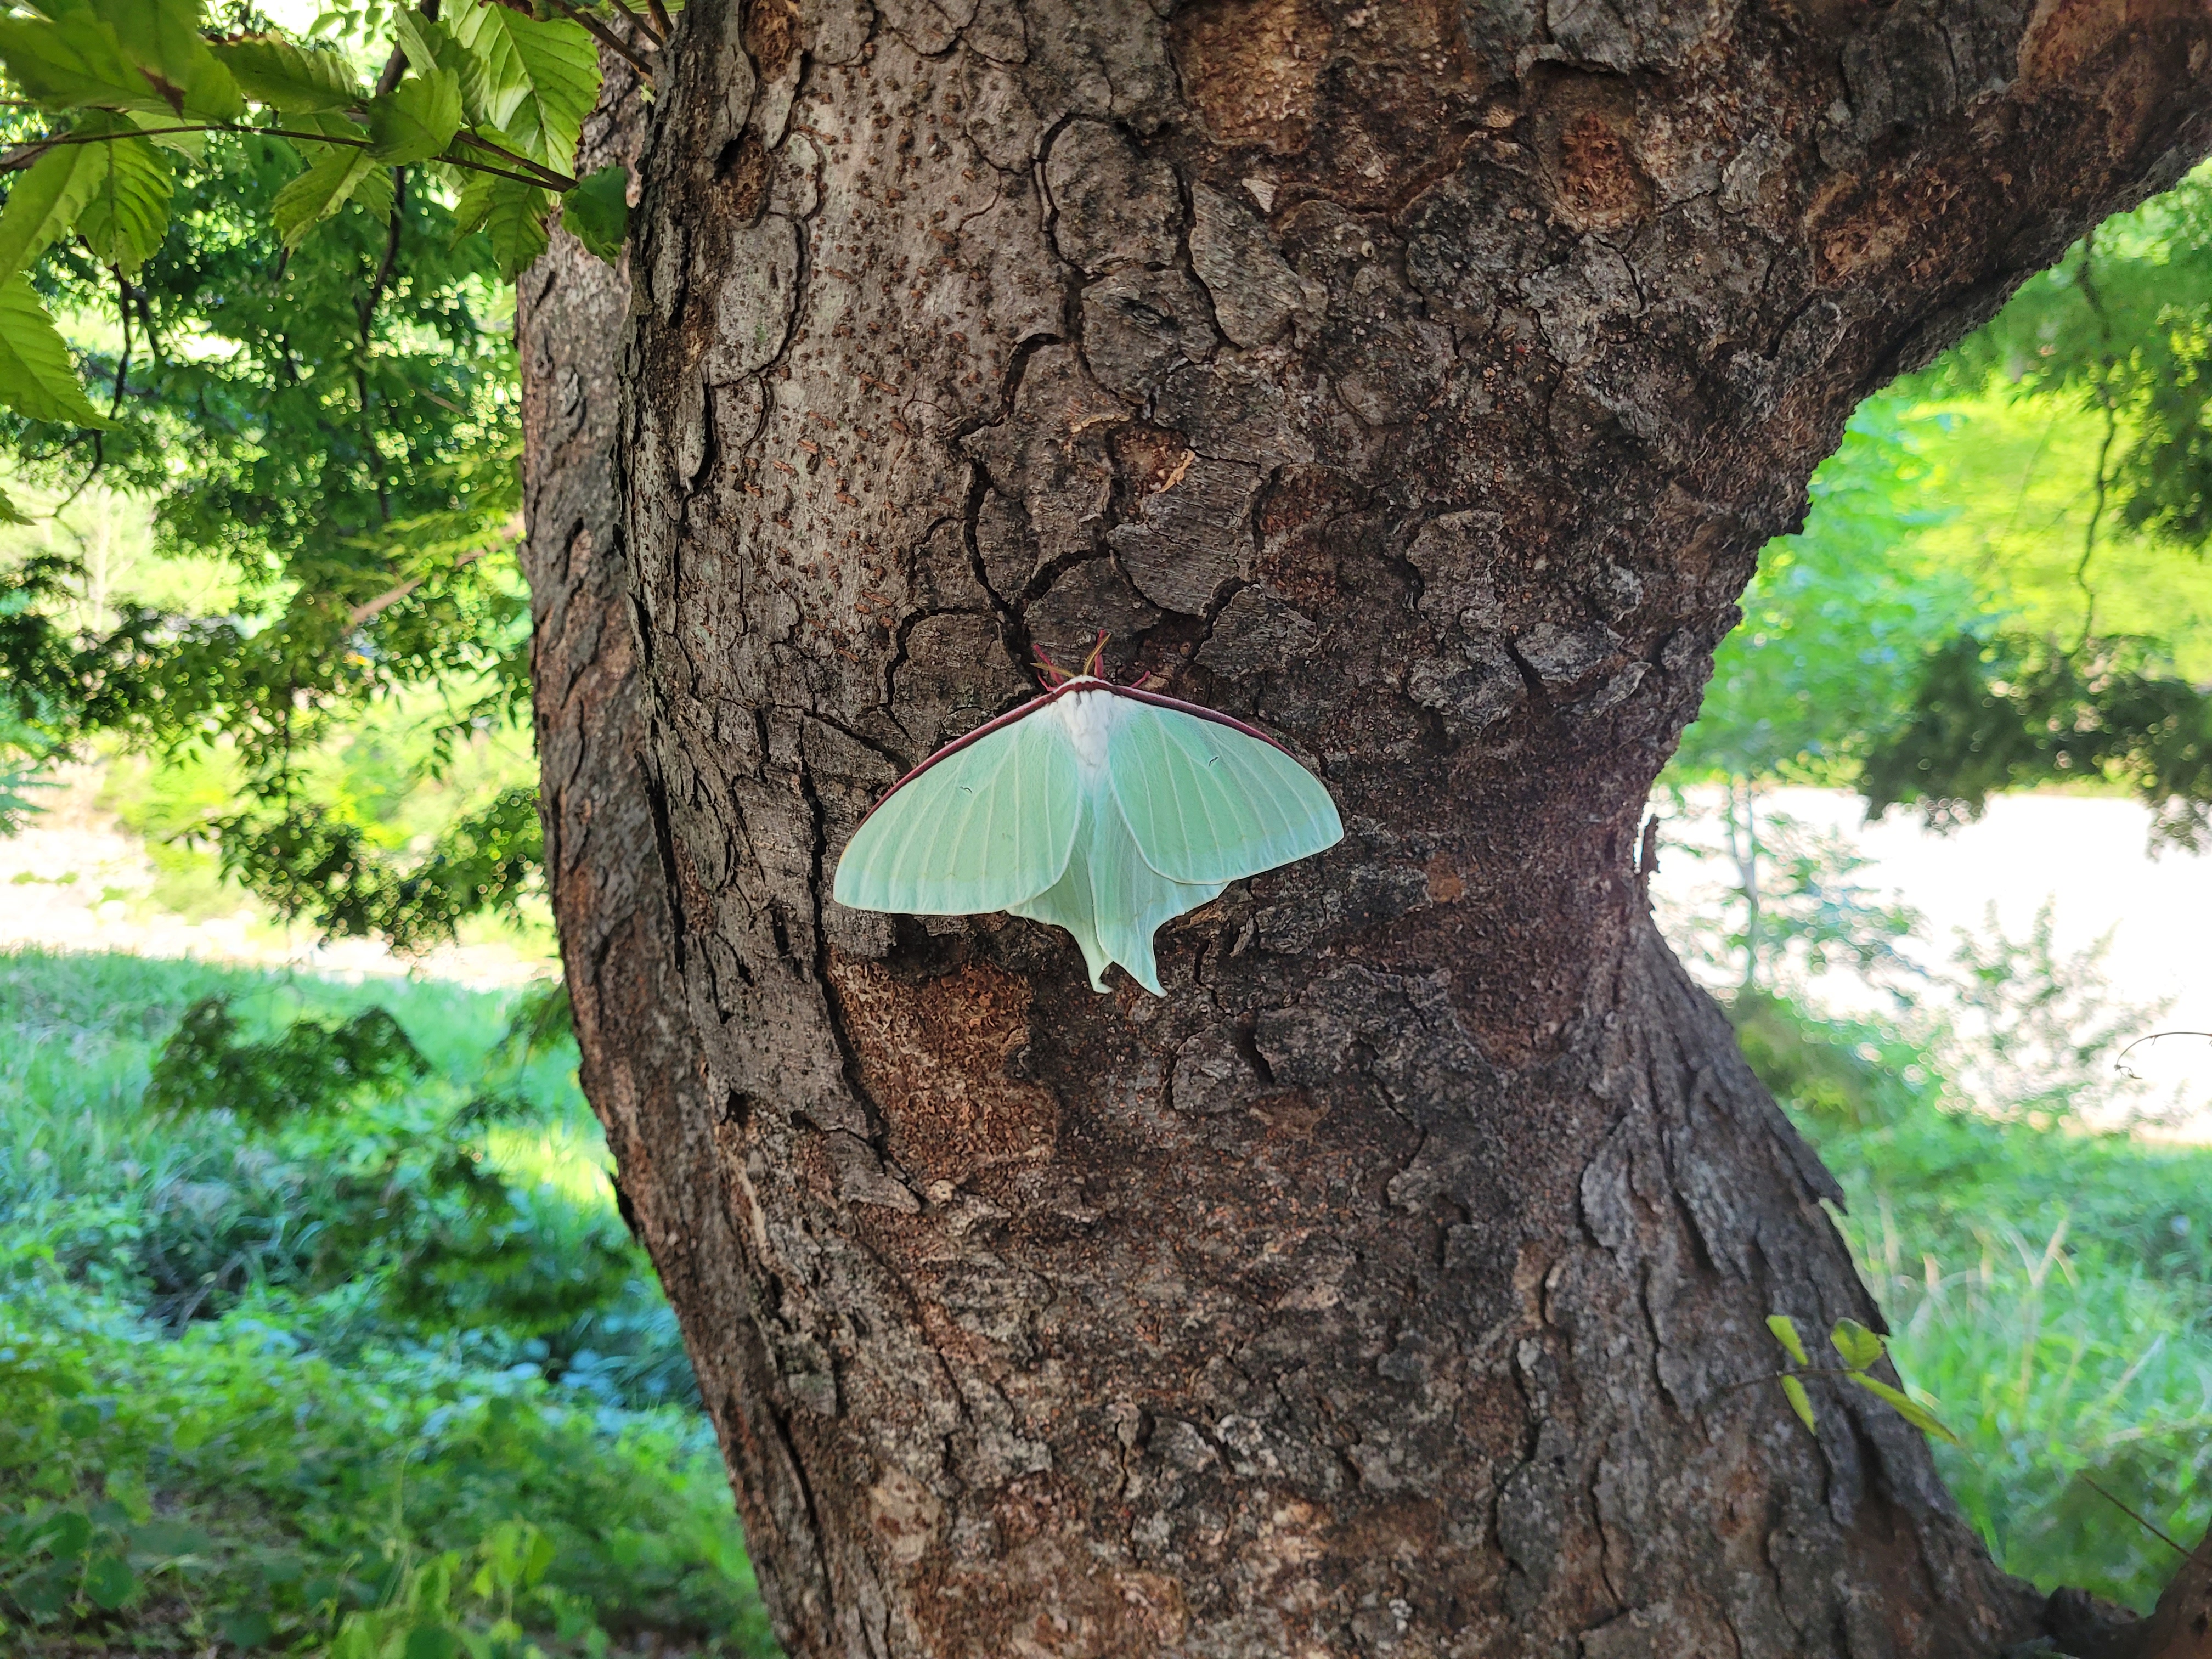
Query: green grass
<point x="281" y="1379"/>
<point x="2051" y="1289"/>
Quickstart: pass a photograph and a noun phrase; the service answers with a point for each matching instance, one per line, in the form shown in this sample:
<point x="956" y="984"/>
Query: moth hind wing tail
<point x="1067" y="904"/>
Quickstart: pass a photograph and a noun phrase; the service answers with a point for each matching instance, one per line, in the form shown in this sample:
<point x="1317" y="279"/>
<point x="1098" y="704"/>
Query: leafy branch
<point x="21" y="157"/>
<point x="1861" y="1351"/>
<point x="498" y="98"/>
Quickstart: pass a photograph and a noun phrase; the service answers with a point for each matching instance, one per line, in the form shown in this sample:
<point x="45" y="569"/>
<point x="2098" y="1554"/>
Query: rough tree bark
<point x="1419" y="382"/>
<point x="643" y="1066"/>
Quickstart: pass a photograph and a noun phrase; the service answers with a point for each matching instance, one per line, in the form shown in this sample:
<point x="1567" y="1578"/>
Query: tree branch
<point x="391" y="596"/>
<point x="546" y="176"/>
<point x="637" y="24"/>
<point x="390" y="253"/>
<point x="22" y="155"/>
<point x="123" y="361"/>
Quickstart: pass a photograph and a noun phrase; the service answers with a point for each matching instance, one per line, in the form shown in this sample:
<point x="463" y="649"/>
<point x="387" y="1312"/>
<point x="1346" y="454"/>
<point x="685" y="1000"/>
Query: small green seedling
<point x="1861" y="1351"/>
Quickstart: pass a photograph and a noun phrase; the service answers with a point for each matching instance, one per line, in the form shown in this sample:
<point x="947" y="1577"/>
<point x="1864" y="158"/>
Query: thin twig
<point x="637" y="24"/>
<point x="2096" y="304"/>
<point x="661" y="20"/>
<point x="22" y="155"/>
<point x="390" y="253"/>
<point x="2120" y="1060"/>
<point x="376" y="285"/>
<point x="391" y="596"/>
<point x="2131" y="1515"/>
<point x="546" y="176"/>
<point x="123" y="361"/>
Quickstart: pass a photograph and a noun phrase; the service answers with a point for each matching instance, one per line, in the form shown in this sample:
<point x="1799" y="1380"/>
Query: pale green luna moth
<point x="1095" y="807"/>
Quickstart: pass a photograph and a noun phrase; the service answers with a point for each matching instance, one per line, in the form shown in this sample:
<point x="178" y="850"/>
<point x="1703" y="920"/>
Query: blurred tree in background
<point x="321" y="414"/>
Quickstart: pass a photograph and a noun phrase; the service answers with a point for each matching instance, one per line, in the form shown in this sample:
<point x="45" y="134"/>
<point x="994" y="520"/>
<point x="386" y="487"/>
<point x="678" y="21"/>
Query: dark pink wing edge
<point x="1054" y="696"/>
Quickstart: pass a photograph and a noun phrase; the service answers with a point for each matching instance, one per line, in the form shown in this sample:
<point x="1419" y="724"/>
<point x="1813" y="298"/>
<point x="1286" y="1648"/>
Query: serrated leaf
<point x="159" y="130"/>
<point x="333" y="179"/>
<point x="1794" y="1391"/>
<point x="1907" y="1407"/>
<point x="42" y="1595"/>
<point x="162" y="37"/>
<point x="109" y="1582"/>
<point x="128" y="213"/>
<point x="1785" y="1332"/>
<point x="272" y="70"/>
<point x="37" y="377"/>
<point x="535" y="82"/>
<point x="597" y="212"/>
<point x="44" y="205"/>
<point x="515" y="222"/>
<point x="429" y="44"/>
<point x="73" y="62"/>
<point x="1859" y="1346"/>
<point x="473" y="204"/>
<point x="418" y="118"/>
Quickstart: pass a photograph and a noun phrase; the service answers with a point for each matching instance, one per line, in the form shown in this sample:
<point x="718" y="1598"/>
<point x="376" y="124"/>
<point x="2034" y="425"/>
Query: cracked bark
<point x="1419" y="383"/>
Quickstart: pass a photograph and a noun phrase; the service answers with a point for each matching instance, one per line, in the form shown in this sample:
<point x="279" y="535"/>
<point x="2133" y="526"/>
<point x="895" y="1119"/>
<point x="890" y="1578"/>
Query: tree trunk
<point x="1420" y="384"/>
<point x="643" y="1066"/>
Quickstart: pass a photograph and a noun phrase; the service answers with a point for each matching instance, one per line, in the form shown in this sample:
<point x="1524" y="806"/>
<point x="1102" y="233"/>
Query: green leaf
<point x="248" y="1629"/>
<point x="1907" y="1407"/>
<point x="1859" y="1346"/>
<point x="331" y="180"/>
<point x="473" y="205"/>
<point x="80" y="1420"/>
<point x="37" y="377"/>
<point x="430" y="44"/>
<point x="73" y="62"/>
<point x="191" y="145"/>
<point x="68" y="1533"/>
<point x="128" y="213"/>
<point x="109" y="1582"/>
<point x="44" y="205"/>
<point x="597" y="212"/>
<point x="11" y="513"/>
<point x="431" y="1642"/>
<point x="1794" y="1391"/>
<point x="162" y="37"/>
<point x="272" y="70"/>
<point x="514" y="218"/>
<point x="535" y="82"/>
<point x="42" y="1595"/>
<point x="418" y="118"/>
<point x="1785" y="1332"/>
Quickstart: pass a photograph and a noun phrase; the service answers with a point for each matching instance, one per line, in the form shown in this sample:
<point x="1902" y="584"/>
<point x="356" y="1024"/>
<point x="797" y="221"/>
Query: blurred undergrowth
<point x="318" y="1326"/>
<point x="2045" y="1269"/>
